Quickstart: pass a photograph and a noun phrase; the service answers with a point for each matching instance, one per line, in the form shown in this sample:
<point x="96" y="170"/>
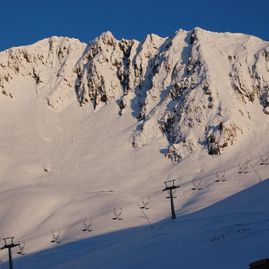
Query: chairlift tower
<point x="170" y="187"/>
<point x="9" y="244"/>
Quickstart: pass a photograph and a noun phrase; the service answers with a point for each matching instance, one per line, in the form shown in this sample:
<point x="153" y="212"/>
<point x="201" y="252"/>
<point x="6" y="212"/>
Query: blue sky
<point x="26" y="21"/>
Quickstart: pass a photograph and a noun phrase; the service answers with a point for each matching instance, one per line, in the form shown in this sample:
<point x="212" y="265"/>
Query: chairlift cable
<point x="151" y="195"/>
<point x="145" y="216"/>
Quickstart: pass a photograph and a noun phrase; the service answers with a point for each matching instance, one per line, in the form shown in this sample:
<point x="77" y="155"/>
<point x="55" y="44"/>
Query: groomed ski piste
<point x="82" y="175"/>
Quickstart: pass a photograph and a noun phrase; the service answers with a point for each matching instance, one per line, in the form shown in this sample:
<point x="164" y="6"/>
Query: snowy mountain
<point x="198" y="89"/>
<point x="91" y="131"/>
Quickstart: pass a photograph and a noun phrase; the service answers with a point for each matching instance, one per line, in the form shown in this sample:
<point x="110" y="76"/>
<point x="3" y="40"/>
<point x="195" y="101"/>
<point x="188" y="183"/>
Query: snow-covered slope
<point x="231" y="233"/>
<point x="89" y="128"/>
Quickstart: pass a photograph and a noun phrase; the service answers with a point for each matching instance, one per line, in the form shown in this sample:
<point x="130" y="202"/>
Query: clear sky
<point x="26" y="21"/>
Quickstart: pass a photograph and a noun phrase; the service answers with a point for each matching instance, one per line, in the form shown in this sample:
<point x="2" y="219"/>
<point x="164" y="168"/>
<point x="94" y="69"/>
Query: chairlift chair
<point x="243" y="168"/>
<point x="115" y="217"/>
<point x="117" y="214"/>
<point x="55" y="237"/>
<point x="220" y="176"/>
<point x="87" y="223"/>
<point x="141" y="205"/>
<point x="21" y="248"/>
<point x="145" y="201"/>
<point x="168" y="195"/>
<point x="197" y="184"/>
<point x="120" y="214"/>
<point x="264" y="159"/>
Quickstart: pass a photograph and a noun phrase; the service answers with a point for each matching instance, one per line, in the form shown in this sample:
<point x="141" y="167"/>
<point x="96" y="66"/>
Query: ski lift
<point x="167" y="194"/>
<point x="87" y="225"/>
<point x="197" y="184"/>
<point x="21" y="248"/>
<point x="144" y="203"/>
<point x="264" y="159"/>
<point x="117" y="214"/>
<point x="220" y="176"/>
<point x="174" y="193"/>
<point x="170" y="187"/>
<point x="56" y="236"/>
<point x="243" y="168"/>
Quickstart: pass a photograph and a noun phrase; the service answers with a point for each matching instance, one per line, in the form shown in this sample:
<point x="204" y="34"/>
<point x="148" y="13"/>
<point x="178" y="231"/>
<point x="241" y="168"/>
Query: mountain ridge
<point x="88" y="129"/>
<point x="168" y="84"/>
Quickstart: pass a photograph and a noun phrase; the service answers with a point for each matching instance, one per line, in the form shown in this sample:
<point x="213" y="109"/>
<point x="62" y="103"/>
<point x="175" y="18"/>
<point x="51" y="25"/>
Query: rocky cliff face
<point x="45" y="67"/>
<point x="200" y="90"/>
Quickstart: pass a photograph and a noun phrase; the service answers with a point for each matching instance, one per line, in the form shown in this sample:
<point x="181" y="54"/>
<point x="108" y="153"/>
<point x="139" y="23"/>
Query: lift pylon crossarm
<point x="9" y="243"/>
<point x="170" y="185"/>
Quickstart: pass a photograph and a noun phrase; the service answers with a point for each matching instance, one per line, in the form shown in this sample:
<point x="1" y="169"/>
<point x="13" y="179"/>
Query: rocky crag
<point x="200" y="90"/>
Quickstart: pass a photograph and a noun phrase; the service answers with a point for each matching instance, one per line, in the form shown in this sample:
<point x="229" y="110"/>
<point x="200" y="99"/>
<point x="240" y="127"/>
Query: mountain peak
<point x="193" y="89"/>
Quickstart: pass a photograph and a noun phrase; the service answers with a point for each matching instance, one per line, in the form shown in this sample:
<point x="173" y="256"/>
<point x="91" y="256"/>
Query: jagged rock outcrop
<point x="197" y="89"/>
<point x="103" y="73"/>
<point x="46" y="67"/>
